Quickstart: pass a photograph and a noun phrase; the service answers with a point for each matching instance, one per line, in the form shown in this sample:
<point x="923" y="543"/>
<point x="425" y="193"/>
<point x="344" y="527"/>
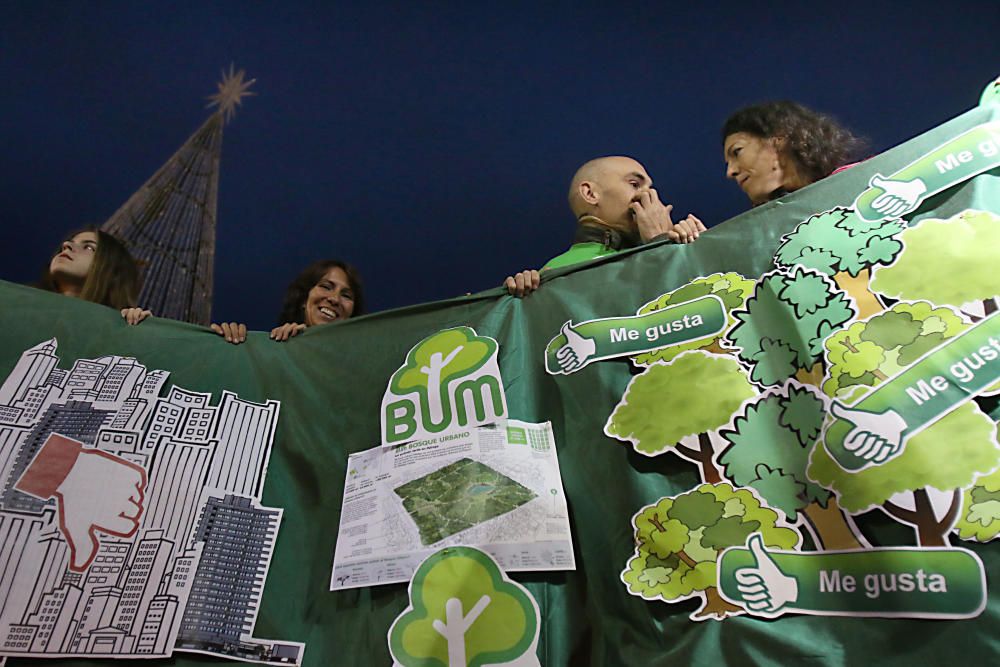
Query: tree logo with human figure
<point x="450" y="380"/>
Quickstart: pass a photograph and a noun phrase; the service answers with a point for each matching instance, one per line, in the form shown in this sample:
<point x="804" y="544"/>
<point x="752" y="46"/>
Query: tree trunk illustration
<point x="715" y="605"/>
<point x="716" y="348"/>
<point x="703" y="457"/>
<point x="830" y="526"/>
<point x="931" y="532"/>
<point x="812" y="376"/>
<point x="857" y="286"/>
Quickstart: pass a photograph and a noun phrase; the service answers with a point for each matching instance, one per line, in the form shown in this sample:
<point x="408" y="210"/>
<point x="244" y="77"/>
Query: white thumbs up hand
<point x="765" y="588"/>
<point x="898" y="197"/>
<point x="576" y="351"/>
<point x="875" y="437"/>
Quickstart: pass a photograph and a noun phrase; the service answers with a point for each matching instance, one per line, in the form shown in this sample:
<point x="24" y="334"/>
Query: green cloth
<point x="330" y="382"/>
<point x="579" y="252"/>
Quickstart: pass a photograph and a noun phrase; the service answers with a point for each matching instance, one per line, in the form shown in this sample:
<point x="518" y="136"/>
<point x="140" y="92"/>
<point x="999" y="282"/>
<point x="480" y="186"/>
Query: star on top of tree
<point x="232" y="90"/>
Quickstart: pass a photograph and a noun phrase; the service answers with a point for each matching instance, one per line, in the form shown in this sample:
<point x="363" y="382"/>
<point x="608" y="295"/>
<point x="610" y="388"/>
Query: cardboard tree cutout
<point x="465" y="612"/>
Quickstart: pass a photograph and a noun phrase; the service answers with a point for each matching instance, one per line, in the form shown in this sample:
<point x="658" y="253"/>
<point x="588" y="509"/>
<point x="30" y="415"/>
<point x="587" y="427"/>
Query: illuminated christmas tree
<point x="169" y="223"/>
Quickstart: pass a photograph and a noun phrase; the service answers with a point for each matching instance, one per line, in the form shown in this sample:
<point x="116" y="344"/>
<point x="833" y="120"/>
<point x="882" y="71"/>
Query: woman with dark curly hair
<point x="775" y="148"/>
<point x="326" y="291"/>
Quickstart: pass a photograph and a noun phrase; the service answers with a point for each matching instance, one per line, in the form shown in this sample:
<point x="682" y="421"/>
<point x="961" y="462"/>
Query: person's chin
<point x="756" y="198"/>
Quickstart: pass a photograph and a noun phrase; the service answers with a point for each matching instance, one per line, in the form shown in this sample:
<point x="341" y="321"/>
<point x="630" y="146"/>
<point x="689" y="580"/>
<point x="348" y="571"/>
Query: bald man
<point x="616" y="208"/>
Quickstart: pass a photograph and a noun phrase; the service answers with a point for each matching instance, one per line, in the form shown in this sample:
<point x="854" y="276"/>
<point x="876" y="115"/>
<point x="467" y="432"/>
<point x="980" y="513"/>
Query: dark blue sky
<point x="432" y="146"/>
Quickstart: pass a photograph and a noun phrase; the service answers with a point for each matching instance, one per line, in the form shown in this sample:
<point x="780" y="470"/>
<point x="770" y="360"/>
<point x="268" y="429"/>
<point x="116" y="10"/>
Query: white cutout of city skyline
<point x="205" y="465"/>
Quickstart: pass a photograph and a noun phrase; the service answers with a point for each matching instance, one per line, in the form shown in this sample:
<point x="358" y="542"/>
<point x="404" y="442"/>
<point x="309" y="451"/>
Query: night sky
<point x="432" y="146"/>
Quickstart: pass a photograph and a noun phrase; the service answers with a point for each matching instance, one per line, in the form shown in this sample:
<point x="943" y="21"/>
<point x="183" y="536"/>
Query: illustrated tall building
<point x="245" y="431"/>
<point x="148" y="567"/>
<point x="169" y="223"/>
<point x="31" y="370"/>
<point x="238" y="540"/>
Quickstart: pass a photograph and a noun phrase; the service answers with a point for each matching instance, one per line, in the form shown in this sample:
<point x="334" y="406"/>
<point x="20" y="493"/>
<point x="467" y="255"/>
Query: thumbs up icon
<point x="574" y="354"/>
<point x="875" y="437"/>
<point x="94" y="490"/>
<point x="898" y="197"/>
<point x="764" y="587"/>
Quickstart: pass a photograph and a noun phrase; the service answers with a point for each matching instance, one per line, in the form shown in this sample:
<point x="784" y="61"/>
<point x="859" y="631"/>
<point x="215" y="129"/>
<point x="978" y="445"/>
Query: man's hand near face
<point x="653" y="219"/>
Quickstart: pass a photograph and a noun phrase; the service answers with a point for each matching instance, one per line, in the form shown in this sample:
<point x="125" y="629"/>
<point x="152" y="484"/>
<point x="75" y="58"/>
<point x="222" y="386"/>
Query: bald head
<point x="605" y="186"/>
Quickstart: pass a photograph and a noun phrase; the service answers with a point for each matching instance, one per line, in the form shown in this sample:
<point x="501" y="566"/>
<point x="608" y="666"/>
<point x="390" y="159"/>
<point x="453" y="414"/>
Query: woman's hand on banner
<point x="286" y="331"/>
<point x="135" y="315"/>
<point x="233" y="332"/>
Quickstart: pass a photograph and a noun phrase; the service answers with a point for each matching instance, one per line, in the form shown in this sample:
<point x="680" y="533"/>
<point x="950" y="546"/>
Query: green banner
<point x="671" y="464"/>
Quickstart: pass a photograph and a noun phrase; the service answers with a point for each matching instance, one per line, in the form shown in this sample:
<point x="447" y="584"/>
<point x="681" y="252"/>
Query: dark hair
<point x="816" y="142"/>
<point x="294" y="308"/>
<point x="113" y="279"/>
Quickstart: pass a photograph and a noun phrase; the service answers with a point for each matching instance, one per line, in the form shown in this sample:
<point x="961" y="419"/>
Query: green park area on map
<point x="459" y="496"/>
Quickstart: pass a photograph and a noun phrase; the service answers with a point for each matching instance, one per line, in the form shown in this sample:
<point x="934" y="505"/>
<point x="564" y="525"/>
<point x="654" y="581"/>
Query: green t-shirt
<point x="579" y="252"/>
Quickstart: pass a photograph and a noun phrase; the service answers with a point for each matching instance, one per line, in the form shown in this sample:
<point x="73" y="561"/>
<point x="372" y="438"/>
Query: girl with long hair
<point x="95" y="266"/>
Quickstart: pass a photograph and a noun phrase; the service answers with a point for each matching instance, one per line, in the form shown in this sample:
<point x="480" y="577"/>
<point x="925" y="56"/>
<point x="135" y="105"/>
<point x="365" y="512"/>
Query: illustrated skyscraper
<point x="169" y="223"/>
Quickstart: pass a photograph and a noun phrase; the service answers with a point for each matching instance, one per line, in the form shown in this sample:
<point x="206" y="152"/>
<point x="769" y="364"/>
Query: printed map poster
<point x="130" y="522"/>
<point x="496" y="488"/>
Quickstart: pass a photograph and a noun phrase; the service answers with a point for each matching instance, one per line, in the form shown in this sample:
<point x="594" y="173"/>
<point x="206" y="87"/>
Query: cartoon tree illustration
<point x="732" y="288"/>
<point x="644" y="416"/>
<point x="435" y="361"/>
<point x="871" y="351"/>
<point x="841" y="244"/>
<point x="948" y="456"/>
<point x="679" y="539"/>
<point x="947" y="262"/>
<point x="780" y="331"/>
<point x="863" y="356"/>
<point x="979" y="517"/>
<point x="768" y="450"/>
<point x="463" y="612"/>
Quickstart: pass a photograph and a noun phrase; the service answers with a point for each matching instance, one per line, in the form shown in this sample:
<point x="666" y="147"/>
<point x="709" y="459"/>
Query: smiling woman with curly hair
<point x="775" y="148"/>
<point x="326" y="291"/>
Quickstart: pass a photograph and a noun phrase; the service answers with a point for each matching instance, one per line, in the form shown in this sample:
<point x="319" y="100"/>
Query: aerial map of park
<point x="459" y="496"/>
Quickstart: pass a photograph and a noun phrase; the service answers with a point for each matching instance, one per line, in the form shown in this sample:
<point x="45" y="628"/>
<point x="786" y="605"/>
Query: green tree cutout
<point x="463" y="613"/>
<point x="841" y="244"/>
<point x="781" y="330"/>
<point x="679" y="540"/>
<point x="872" y="351"/>
<point x="646" y="418"/>
<point x="948" y="455"/>
<point x="768" y="450"/>
<point x="732" y="288"/>
<point x="947" y="262"/>
<point x="436" y="360"/>
<point x="979" y="517"/>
